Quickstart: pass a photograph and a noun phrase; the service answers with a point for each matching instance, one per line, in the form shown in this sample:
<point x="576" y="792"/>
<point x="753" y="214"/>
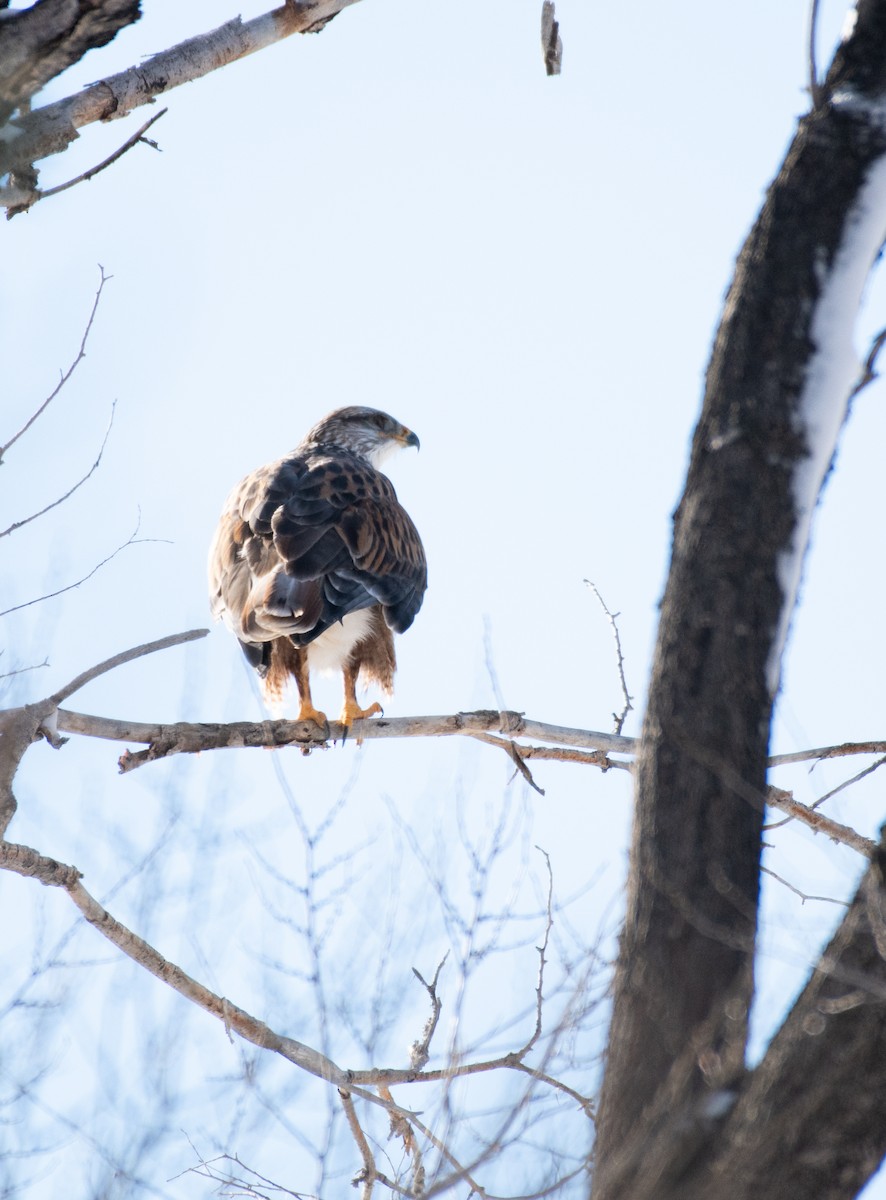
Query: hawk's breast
<point x="331" y="650"/>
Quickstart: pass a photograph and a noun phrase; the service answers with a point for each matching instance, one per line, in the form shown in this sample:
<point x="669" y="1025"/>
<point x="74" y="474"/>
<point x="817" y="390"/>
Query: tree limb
<point x="51" y="129"/>
<point x="774" y="403"/>
<point x="25" y="861"/>
<point x="185" y="737"/>
<point x="125" y="656"/>
<point x="40" y="42"/>
<point x="817" y="1096"/>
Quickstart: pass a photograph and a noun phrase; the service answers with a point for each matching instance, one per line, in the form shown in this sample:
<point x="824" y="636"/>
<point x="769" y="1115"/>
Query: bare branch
<point x="22" y="670"/>
<point x="593" y="758"/>
<point x="25" y="861"/>
<point x="42" y="40"/>
<point x="819" y="823"/>
<point x="51" y="129"/>
<point x="514" y="753"/>
<point x="138" y="136"/>
<point x="869" y="372"/>
<point x="814" y="85"/>
<point x="191" y="738"/>
<point x="847" y="783"/>
<point x="81" y="354"/>
<point x="844" y="750"/>
<point x="542" y="951"/>
<point x="369" y="1174"/>
<point x="247" y="1185"/>
<point x="869" y="770"/>
<point x="132" y="540"/>
<point x="125" y="656"/>
<point x="401" y="1128"/>
<point x="419" y="1052"/>
<point x="619" y="718"/>
<point x="18" y="524"/>
<point x="551" y="42"/>
<point x="802" y="895"/>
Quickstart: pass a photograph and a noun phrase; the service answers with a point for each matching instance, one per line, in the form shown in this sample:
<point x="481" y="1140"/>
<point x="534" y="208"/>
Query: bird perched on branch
<point x="315" y="562"/>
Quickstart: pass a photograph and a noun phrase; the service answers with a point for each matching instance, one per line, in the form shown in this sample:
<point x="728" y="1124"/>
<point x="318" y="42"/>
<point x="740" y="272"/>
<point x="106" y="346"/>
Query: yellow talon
<point x="351" y="712"/>
<point x="307" y="712"/>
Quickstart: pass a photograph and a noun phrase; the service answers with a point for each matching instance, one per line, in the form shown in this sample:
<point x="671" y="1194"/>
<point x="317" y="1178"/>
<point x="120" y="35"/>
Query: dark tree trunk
<point x="684" y="980"/>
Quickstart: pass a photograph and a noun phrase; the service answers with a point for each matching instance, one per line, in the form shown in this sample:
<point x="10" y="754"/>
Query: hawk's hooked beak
<point x="408" y="438"/>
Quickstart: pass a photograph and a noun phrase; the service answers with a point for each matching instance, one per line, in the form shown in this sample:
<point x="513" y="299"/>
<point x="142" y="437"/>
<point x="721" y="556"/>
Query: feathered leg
<point x="299" y="669"/>
<point x="351" y="710"/>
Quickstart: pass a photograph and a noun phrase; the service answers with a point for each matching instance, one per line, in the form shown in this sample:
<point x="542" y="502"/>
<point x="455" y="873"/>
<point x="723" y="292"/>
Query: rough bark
<point x="810" y="1120"/>
<point x="40" y="42"/>
<point x="684" y="979"/>
<point x="50" y="130"/>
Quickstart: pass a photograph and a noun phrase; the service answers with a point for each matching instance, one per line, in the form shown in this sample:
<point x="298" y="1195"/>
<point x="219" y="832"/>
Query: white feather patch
<point x="332" y="648"/>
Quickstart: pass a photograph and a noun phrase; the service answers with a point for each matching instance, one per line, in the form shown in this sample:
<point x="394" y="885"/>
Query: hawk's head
<point x="365" y="431"/>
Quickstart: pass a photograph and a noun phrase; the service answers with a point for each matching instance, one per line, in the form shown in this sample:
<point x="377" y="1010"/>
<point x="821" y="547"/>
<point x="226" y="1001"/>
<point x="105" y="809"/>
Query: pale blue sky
<point x="404" y="211"/>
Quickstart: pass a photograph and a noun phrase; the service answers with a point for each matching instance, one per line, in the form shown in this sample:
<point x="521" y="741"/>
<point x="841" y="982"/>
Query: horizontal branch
<point x="844" y="750"/>
<point x="586" y="746"/>
<point x="51" y="129"/>
<point x="184" y="737"/>
<point x="188" y="738"/>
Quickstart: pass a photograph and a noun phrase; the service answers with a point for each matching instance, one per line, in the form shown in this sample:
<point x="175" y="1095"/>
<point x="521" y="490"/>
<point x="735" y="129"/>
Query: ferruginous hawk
<point x="315" y="562"/>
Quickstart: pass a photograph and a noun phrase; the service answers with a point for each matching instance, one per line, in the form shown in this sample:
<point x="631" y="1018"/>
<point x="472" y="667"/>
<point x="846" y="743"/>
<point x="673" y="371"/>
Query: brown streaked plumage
<point x="314" y="562"/>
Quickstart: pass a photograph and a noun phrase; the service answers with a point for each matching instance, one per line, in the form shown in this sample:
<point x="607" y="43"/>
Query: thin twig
<point x="369" y="1174"/>
<point x="23" y="860"/>
<point x="814" y="87"/>
<point x="816" y="804"/>
<point x="869" y="372"/>
<point x="81" y="354"/>
<point x="619" y="718"/>
<point x="542" y="951"/>
<point x="420" y="1051"/>
<point x="125" y="656"/>
<point x="49" y="130"/>
<point x="33" y="517"/>
<point x="803" y="896"/>
<point x="127" y="145"/>
<point x="246" y="1187"/>
<point x="22" y="670"/>
<point x="848" y="782"/>
<point x="401" y="1128"/>
<point x="514" y="753"/>
<point x="820" y="823"/>
<point x="132" y="540"/>
<point x="592" y="758"/>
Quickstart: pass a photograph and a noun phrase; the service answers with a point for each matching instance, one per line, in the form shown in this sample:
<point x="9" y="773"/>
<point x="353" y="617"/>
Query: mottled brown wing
<point x="305" y="541"/>
<point x="343" y="526"/>
<point x="244" y="565"/>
